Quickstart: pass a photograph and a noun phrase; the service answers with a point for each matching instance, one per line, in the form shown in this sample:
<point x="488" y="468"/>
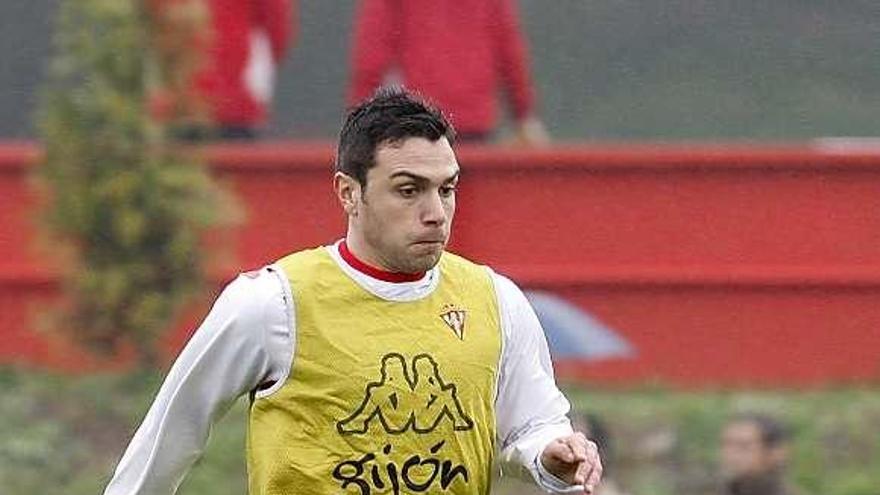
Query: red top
<point x="374" y="272"/>
<point x="228" y="78"/>
<point x="223" y="81"/>
<point x="456" y="52"/>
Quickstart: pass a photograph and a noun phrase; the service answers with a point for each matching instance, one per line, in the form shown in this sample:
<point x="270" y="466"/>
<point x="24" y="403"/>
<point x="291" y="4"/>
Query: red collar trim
<point x="376" y="273"/>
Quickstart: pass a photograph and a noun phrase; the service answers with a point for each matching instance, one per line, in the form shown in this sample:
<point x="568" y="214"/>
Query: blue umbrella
<point x="572" y="333"/>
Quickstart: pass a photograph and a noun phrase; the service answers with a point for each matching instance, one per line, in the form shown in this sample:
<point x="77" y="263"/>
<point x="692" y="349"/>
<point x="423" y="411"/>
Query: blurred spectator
<point x="457" y="53"/>
<point x="754" y="452"/>
<point x="238" y="45"/>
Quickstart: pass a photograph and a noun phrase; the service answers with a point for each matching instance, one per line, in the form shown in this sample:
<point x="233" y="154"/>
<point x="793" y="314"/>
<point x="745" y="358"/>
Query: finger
<point x="595" y="473"/>
<point x="578" y="445"/>
<point x="592" y="453"/>
<point x="558" y="451"/>
<point x="580" y="475"/>
<point x="590" y="471"/>
<point x="593" y="479"/>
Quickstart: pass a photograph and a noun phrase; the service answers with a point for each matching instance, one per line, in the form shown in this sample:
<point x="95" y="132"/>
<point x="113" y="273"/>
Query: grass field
<point x="63" y="435"/>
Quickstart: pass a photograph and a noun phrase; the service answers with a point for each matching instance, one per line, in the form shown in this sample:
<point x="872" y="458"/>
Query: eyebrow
<point x="421" y="178"/>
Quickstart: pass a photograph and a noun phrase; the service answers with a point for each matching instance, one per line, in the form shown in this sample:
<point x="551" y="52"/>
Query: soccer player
<point x="380" y="363"/>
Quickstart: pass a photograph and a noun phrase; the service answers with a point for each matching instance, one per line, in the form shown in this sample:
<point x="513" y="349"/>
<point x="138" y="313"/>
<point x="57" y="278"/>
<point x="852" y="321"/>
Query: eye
<point x="407" y="191"/>
<point x="447" y="191"/>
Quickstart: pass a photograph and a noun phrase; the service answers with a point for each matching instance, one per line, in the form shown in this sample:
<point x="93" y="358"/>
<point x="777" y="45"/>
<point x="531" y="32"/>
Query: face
<point x="743" y="453"/>
<point x="401" y="220"/>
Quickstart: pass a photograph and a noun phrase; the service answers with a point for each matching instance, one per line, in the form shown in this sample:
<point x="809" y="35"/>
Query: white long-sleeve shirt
<point x="246" y="343"/>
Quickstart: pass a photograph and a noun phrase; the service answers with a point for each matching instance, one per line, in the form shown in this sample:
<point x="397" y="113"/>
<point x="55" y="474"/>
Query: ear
<point x="348" y="192"/>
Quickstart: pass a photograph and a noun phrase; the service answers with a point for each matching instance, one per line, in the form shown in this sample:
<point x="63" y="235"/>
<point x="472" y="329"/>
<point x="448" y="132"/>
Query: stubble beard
<point x="404" y="258"/>
<point x="413" y="263"/>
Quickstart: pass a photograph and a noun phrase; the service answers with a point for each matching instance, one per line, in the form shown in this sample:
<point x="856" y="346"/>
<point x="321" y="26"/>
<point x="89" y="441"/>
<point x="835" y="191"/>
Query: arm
<point x="531" y="411"/>
<point x="374" y="48"/>
<point x="280" y="20"/>
<point x="234" y="351"/>
<point x="513" y="67"/>
<point x="513" y="60"/>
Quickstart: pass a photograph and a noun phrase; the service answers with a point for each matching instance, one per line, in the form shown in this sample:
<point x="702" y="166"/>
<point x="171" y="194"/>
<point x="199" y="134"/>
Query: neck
<point x="352" y="255"/>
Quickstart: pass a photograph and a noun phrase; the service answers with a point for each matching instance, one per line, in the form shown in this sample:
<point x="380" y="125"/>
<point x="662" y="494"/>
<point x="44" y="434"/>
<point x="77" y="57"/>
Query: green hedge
<point x="125" y="209"/>
<point x="65" y="435"/>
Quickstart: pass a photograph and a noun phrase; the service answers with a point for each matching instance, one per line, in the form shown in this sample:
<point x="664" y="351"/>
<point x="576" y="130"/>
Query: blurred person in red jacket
<point x="457" y="53"/>
<point x="223" y="55"/>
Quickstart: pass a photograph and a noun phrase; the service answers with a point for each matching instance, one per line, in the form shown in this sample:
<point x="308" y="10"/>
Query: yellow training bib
<point x="383" y="396"/>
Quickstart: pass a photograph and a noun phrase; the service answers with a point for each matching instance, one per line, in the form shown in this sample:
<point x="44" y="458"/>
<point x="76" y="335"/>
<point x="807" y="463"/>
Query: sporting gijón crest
<point x="454" y="317"/>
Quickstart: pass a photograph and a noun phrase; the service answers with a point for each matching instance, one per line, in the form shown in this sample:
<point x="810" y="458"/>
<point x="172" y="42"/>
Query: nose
<point x="434" y="210"/>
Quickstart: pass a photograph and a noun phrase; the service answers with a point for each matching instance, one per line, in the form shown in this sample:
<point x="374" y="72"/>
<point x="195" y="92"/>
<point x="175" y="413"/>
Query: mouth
<point x="429" y="242"/>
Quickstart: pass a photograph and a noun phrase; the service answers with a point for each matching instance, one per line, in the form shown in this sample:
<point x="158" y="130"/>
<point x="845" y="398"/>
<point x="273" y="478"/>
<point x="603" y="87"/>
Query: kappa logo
<point x="454" y="318"/>
<point x="403" y="400"/>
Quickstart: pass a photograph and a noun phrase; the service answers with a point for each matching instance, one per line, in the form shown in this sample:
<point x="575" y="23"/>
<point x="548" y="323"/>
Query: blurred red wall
<point x="723" y="264"/>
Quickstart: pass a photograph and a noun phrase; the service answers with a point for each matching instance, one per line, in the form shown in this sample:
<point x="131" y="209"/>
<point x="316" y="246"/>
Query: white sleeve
<point x="243" y="344"/>
<point x="530" y="409"/>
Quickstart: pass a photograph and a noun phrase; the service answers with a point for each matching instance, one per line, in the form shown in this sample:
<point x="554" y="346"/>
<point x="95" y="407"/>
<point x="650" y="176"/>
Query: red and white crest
<point x="454" y="317"/>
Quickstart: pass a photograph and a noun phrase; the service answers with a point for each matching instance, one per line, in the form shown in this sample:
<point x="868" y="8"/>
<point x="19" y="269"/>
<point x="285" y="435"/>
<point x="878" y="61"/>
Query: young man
<point x="462" y="54"/>
<point x="754" y="451"/>
<point x="378" y="364"/>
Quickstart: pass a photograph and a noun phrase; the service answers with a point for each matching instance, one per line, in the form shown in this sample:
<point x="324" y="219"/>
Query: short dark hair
<point x="773" y="431"/>
<point x="392" y="115"/>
